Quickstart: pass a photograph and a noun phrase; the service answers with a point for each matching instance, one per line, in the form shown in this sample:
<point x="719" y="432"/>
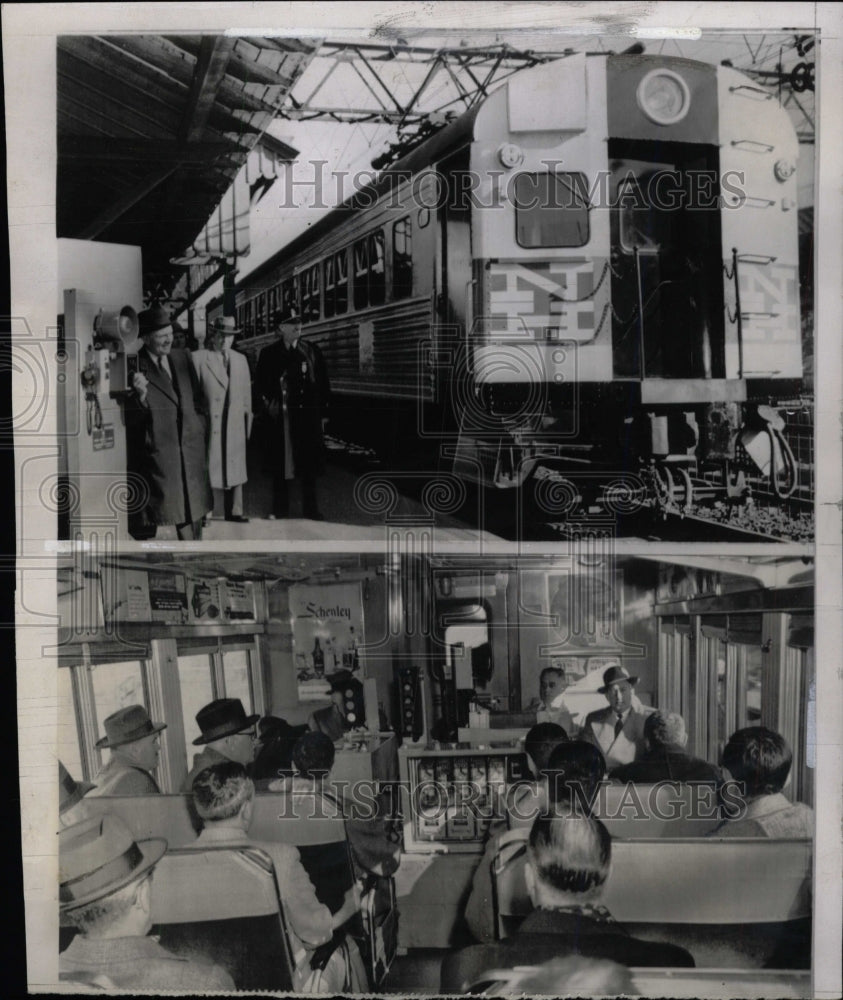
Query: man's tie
<point x="164" y="371"/>
<point x="226" y="356"/>
<point x="618" y="726"/>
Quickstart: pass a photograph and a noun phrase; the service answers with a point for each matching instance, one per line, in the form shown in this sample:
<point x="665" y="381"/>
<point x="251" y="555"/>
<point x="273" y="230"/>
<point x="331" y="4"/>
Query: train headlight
<point x="663" y="96"/>
<point x="510" y="155"/>
<point x="783" y="170"/>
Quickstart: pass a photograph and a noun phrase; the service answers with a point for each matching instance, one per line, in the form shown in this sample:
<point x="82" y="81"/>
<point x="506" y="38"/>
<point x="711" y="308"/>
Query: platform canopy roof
<point x="152" y="129"/>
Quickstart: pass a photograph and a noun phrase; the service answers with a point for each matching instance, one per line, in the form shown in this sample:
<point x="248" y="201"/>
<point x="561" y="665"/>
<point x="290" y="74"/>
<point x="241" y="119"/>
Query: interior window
<point x="551" y="210"/>
<point x="197" y="689"/>
<point x="116" y="685"/>
<point x="236" y="673"/>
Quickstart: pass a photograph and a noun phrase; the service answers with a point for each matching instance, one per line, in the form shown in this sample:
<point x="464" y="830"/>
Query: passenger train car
<point x="449" y="650"/>
<point x="588" y="286"/>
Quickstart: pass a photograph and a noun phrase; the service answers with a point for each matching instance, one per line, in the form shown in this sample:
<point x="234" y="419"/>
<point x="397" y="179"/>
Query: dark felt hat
<point x="70" y="791"/>
<point x="99" y="856"/>
<point x="127" y="725"/>
<point x="223" y="717"/>
<point x="153" y="319"/>
<point x="615" y="674"/>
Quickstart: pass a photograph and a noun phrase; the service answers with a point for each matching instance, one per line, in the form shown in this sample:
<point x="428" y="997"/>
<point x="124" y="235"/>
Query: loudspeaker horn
<point x="119" y="325"/>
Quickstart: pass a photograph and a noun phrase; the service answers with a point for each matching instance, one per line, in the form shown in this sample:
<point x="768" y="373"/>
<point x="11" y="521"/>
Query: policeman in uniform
<point x="293" y="385"/>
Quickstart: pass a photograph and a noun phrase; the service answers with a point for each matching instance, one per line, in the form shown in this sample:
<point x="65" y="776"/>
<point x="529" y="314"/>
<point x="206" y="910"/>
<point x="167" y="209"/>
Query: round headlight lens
<point x="664" y="97"/>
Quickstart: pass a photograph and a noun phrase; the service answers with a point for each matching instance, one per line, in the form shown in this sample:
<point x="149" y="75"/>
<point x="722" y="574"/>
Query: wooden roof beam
<point x="211" y="66"/>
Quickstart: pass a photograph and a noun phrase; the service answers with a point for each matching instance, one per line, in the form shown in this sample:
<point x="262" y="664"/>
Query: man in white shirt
<point x="618" y="730"/>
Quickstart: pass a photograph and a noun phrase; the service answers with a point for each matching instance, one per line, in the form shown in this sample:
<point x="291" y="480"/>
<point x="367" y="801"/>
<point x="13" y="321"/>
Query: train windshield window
<point x="551" y="210"/>
<point x="402" y="259"/>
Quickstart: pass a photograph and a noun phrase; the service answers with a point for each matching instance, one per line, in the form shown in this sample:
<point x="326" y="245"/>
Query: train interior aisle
<point x="467" y="753"/>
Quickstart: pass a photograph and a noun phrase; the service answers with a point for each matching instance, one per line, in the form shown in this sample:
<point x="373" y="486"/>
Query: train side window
<point x="341" y="278"/>
<point x="361" y="273"/>
<point x="402" y="258"/>
<point x="551" y="210"/>
<point x="377" y="268"/>
<point x="309" y="294"/>
<point x="369" y="271"/>
<point x="328" y="268"/>
<point x="260" y="304"/>
<point x="288" y="297"/>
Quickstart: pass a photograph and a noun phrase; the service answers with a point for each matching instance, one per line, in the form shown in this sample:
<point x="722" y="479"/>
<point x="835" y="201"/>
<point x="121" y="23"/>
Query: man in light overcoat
<point x="223" y="375"/>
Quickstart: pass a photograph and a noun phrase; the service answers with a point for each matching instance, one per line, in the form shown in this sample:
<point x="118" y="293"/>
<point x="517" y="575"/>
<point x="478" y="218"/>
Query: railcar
<point x="590" y="278"/>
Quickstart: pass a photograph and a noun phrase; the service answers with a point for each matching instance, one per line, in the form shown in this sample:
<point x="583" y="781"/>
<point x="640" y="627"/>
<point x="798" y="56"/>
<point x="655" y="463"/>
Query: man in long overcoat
<point x="226" y="387"/>
<point x="167" y="434"/>
<point x="293" y="384"/>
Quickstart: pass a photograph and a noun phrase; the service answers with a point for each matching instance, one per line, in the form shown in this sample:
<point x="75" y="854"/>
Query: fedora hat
<point x="615" y="674"/>
<point x="127" y="725"/>
<point x="70" y="791"/>
<point x="99" y="856"/>
<point x="226" y="325"/>
<point x="223" y="717"/>
<point x="153" y="319"/>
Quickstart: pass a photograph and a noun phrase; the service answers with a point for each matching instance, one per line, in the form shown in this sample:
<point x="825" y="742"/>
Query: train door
<point x="667" y="288"/>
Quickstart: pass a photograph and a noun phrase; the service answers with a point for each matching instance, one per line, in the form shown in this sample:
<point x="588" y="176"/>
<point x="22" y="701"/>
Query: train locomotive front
<point x="585" y="289"/>
<point x="635" y="285"/>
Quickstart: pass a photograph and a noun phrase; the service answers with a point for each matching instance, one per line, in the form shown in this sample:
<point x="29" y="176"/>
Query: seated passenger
<point x="374" y="847"/>
<point x="227" y="734"/>
<point x="529" y="796"/>
<point x="274" y="757"/>
<point x="104" y="891"/>
<point x="72" y="808"/>
<point x="664" y="757"/>
<point x="571" y="777"/>
<point x="568" y="860"/>
<point x="758" y="762"/>
<point x="550" y="705"/>
<point x="223" y="796"/>
<point x="618" y="729"/>
<point x="132" y="737"/>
